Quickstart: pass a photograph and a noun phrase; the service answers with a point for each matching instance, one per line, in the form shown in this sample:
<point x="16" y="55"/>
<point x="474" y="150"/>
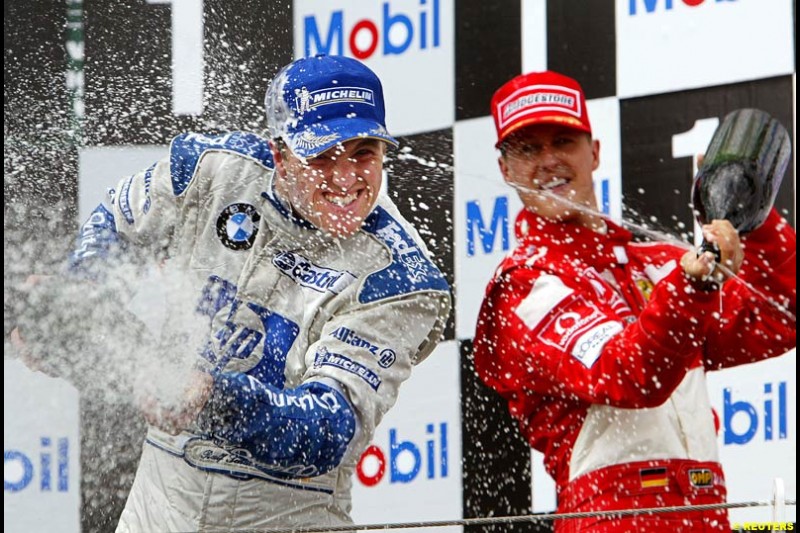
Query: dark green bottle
<point x="742" y="170"/>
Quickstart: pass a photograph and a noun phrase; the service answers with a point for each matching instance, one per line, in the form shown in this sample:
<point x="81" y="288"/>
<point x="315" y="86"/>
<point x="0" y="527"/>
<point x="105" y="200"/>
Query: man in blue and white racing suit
<point x="320" y="299"/>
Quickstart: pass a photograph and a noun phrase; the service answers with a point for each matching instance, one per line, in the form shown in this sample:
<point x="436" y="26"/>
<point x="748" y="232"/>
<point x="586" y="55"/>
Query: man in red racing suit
<point x="600" y="344"/>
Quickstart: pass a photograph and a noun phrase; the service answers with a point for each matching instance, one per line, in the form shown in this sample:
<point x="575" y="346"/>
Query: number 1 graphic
<point x="690" y="144"/>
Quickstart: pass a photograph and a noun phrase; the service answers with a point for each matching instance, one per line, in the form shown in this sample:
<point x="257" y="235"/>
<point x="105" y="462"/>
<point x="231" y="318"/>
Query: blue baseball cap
<point x="315" y="103"/>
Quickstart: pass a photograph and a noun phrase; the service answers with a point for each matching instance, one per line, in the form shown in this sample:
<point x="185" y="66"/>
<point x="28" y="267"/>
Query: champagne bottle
<point x="741" y="171"/>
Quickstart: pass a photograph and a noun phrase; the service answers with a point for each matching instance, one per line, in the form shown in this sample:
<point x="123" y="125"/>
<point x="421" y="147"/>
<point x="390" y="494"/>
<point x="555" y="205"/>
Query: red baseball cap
<point x="539" y="98"/>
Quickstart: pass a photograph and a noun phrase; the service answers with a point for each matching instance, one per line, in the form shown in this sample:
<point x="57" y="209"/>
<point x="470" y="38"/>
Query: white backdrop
<point x="418" y="450"/>
<point x="408" y="43"/>
<point x="41" y="448"/>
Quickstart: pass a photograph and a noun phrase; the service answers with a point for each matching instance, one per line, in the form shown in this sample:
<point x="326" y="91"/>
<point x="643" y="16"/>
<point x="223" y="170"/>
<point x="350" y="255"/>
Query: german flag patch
<point x="653" y="477"/>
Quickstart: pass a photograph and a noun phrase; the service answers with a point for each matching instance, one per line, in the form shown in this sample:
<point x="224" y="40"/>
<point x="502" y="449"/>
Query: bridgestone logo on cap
<point x="538" y="99"/>
<point x="307" y="100"/>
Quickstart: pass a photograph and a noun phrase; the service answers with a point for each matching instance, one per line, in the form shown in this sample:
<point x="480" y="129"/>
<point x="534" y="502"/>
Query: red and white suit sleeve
<point x="756" y="314"/>
<point x="523" y="342"/>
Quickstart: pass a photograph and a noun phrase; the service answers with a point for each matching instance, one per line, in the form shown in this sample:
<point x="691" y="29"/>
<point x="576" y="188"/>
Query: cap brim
<point x="320" y="137"/>
<point x="559" y="120"/>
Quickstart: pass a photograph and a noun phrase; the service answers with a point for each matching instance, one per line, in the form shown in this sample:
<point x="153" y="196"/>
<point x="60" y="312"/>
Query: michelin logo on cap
<point x="306" y="100"/>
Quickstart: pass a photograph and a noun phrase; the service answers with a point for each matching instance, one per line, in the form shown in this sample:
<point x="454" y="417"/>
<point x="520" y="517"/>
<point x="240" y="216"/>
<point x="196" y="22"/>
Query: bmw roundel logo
<point x="237" y="226"/>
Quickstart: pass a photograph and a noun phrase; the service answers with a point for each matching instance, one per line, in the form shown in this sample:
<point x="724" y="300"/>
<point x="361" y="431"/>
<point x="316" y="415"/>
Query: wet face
<point x="336" y="190"/>
<point x="551" y="168"/>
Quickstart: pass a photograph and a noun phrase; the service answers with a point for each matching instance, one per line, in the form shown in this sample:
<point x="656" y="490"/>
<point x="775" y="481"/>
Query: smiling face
<point x="545" y="163"/>
<point x="336" y="190"/>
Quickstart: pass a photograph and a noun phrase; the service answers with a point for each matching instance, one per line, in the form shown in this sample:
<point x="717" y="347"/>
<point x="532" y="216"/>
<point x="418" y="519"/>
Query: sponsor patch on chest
<point x="588" y="346"/>
<point x="561" y="329"/>
<point x="314" y="277"/>
<point x="237" y="226"/>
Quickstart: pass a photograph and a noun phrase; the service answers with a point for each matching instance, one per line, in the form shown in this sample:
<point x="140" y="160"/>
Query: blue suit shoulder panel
<point x="187" y="149"/>
<point x="410" y="270"/>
